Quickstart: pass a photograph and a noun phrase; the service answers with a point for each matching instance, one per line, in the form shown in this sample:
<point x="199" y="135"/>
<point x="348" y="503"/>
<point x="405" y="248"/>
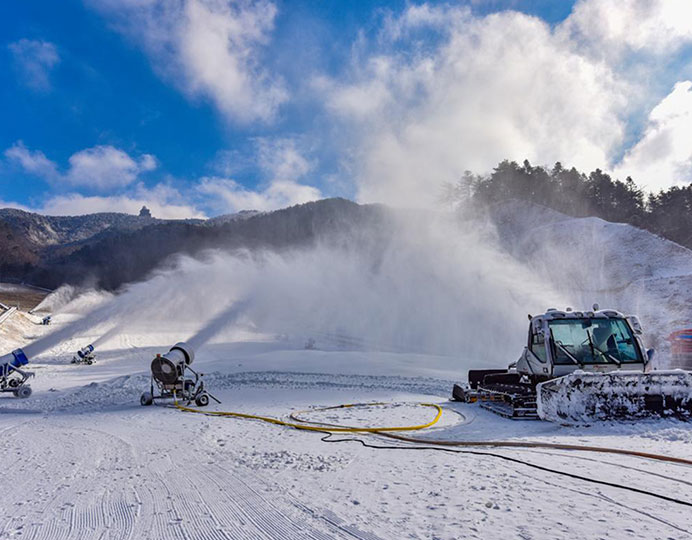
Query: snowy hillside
<point x="613" y="264"/>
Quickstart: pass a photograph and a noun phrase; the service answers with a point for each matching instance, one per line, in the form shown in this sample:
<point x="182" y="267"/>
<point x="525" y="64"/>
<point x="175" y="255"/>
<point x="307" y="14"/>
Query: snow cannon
<point x="12" y="377"/>
<point x="85" y="355"/>
<point x="46" y="320"/>
<point x="173" y="378"/>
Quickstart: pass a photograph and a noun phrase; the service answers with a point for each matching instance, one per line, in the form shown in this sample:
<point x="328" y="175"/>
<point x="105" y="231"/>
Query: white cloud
<point x="17" y="206"/>
<point x="34" y="61"/>
<point x="210" y="48"/>
<point x="281" y="159"/>
<point x="164" y="202"/>
<point x="34" y="162"/>
<point x="98" y="168"/>
<point x="441" y="90"/>
<point x="663" y="155"/>
<point x="106" y="167"/>
<point x="501" y="86"/>
<point x="227" y="196"/>
<point x="610" y="29"/>
<point x="282" y="163"/>
<point x="76" y="204"/>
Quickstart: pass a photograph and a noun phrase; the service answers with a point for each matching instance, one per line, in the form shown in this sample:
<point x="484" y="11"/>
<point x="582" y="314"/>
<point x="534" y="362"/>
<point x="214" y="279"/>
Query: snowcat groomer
<point x="581" y="365"/>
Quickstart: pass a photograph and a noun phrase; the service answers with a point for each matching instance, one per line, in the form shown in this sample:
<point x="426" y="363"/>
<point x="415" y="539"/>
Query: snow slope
<point x="85" y="460"/>
<point x="82" y="458"/>
<point x="613" y="264"/>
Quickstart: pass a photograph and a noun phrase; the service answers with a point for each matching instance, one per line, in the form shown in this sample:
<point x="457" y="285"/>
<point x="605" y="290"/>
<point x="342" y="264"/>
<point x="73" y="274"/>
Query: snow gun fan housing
<point x="173" y="378"/>
<point x="581" y="366"/>
<point x="12" y="377"/>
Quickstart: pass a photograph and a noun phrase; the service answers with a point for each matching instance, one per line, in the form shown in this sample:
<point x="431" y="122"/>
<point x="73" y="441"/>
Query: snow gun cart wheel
<point x="202" y="400"/>
<point x="23" y="391"/>
<point x="146" y="399"/>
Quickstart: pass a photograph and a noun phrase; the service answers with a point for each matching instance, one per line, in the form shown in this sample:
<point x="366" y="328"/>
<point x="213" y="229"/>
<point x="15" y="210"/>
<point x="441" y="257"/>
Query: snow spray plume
<point x="174" y="298"/>
<point x="57" y="299"/>
<point x="420" y="284"/>
<point x="223" y="320"/>
<point x="430" y="287"/>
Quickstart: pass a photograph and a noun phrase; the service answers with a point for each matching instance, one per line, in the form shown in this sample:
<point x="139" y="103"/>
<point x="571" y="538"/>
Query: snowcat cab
<point x="581" y="365"/>
<point x="561" y="342"/>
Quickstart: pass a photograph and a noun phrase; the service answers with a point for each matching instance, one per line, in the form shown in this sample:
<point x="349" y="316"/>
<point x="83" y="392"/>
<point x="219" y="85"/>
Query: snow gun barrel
<point x="84" y="352"/>
<point x="167" y="369"/>
<point x="15" y="359"/>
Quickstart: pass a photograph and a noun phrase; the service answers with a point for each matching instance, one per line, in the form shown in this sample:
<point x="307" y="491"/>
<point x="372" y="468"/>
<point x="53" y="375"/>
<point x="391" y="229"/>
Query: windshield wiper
<point x="564" y="350"/>
<point x="606" y="355"/>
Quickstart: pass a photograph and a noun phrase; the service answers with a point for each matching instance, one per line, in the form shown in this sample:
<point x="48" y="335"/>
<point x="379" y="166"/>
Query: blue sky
<point x="106" y="105"/>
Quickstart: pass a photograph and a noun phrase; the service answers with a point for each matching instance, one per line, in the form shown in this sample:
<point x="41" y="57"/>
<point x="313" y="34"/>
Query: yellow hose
<point x="334" y="429"/>
<point x="388" y="432"/>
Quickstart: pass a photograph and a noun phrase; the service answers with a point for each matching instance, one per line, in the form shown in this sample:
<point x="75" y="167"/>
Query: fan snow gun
<point x="173" y="378"/>
<point x="12" y="376"/>
<point x="85" y="355"/>
<point x="46" y="320"/>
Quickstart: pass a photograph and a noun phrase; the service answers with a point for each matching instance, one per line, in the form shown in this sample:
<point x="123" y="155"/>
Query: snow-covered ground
<point x="82" y="459"/>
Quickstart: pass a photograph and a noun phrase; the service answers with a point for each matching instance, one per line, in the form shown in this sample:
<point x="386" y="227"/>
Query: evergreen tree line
<point x="667" y="213"/>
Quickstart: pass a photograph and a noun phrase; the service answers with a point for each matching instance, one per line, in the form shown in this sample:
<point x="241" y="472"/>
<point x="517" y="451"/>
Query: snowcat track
<point x="517" y="406"/>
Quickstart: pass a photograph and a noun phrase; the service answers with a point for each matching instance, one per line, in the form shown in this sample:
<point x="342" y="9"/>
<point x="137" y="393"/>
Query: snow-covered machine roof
<point x="552" y="314"/>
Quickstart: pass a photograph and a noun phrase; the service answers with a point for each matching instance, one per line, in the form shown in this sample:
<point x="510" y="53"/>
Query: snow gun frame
<point x="12" y="377"/>
<point x="170" y="378"/>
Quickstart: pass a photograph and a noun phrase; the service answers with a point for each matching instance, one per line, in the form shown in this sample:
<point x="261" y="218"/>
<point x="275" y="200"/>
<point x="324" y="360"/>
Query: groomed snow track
<point x="123" y="493"/>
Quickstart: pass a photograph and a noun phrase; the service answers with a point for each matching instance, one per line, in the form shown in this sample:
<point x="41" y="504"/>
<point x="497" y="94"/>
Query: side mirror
<point x="650" y="353"/>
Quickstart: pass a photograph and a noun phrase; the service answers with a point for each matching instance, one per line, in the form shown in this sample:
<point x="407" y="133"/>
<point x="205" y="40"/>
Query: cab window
<point x="537" y="346"/>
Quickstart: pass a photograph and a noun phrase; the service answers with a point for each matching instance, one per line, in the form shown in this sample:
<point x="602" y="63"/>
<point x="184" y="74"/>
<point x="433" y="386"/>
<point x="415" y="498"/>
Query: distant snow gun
<point x="85" y="355"/>
<point x="46" y="320"/>
<point x="12" y="377"/>
<point x="173" y="378"/>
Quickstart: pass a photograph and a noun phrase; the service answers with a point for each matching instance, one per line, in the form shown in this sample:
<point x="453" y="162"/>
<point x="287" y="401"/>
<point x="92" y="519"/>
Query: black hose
<point x="328" y="439"/>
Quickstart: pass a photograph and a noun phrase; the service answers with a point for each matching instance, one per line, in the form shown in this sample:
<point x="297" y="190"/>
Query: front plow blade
<point x="623" y="395"/>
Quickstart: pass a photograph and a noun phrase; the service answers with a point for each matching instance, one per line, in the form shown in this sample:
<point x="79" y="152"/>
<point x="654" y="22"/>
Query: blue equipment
<point x="12" y="377"/>
<point x="85" y="355"/>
